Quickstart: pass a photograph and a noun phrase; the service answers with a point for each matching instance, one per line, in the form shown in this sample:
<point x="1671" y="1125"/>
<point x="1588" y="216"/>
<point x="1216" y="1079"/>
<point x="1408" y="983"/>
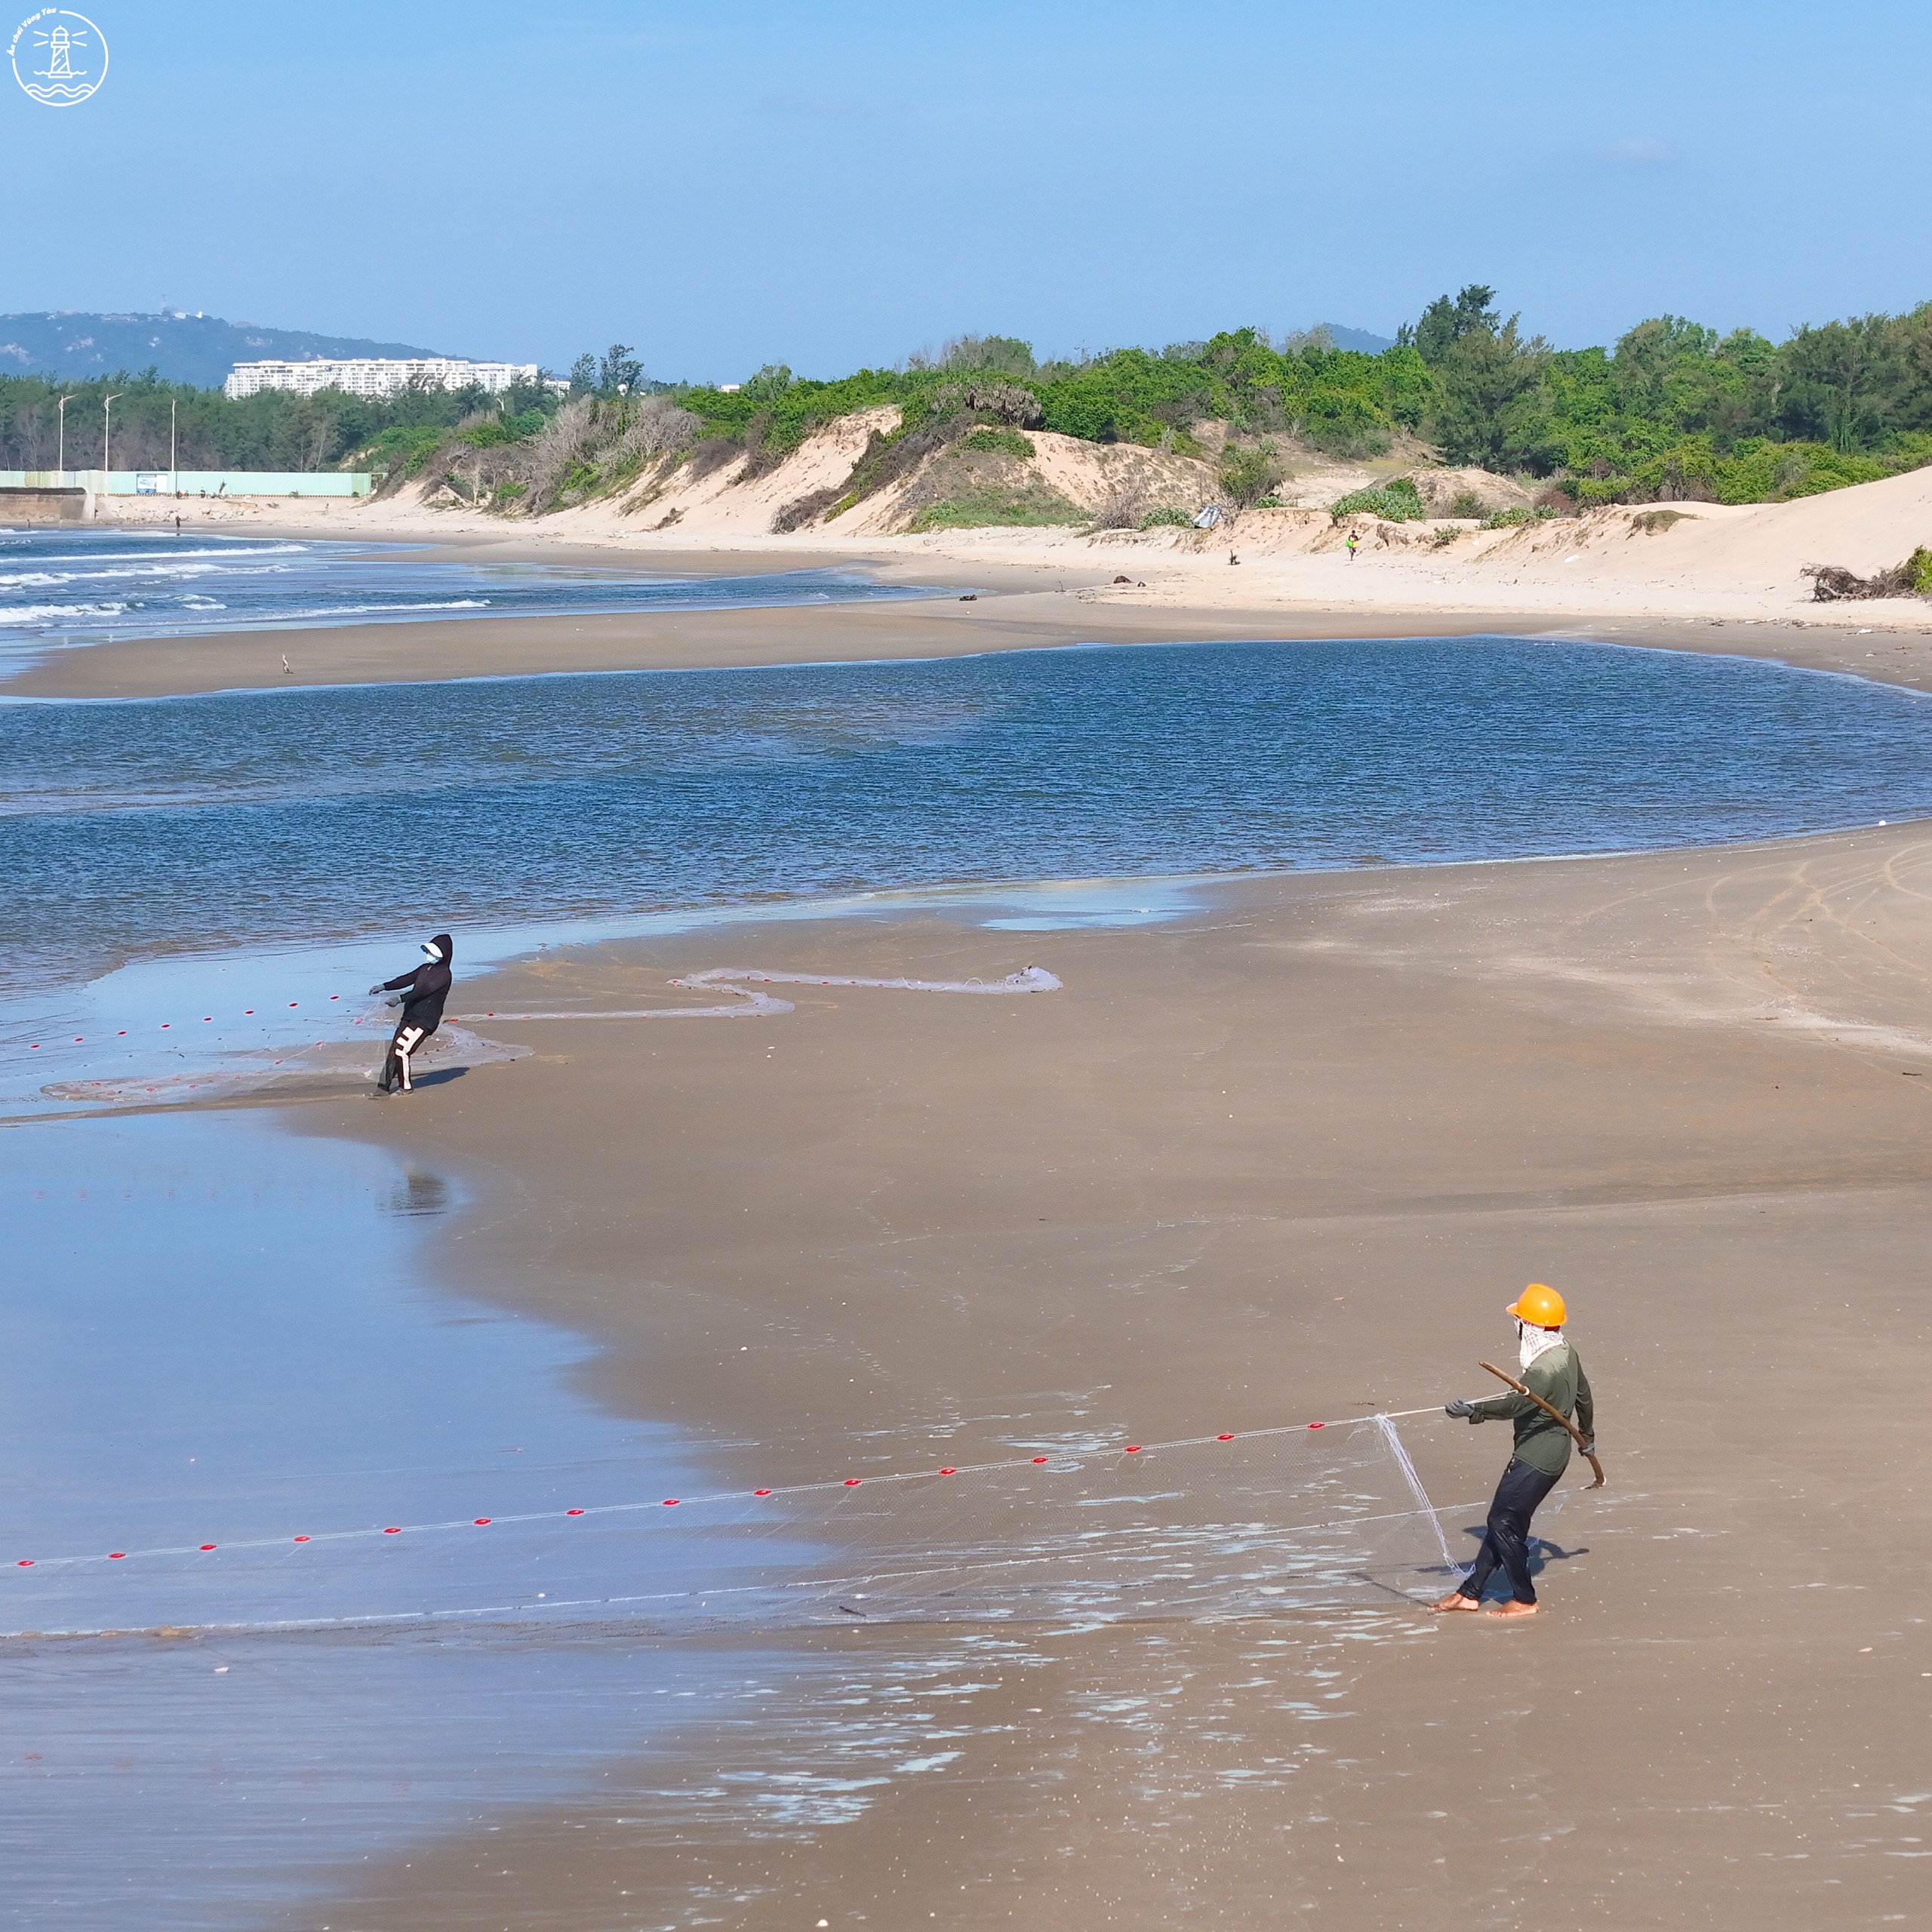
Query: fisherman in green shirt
<point x="1552" y="1369"/>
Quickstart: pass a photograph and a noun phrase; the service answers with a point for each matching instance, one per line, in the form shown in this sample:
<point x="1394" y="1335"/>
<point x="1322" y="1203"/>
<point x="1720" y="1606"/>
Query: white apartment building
<point x="376" y="376"/>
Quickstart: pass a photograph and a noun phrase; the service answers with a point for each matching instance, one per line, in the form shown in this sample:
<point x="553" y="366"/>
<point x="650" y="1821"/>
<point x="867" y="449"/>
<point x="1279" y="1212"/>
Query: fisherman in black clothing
<point x="421" y="994"/>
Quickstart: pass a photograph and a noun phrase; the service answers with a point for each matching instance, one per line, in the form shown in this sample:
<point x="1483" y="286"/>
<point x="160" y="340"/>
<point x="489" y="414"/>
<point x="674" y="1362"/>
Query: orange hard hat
<point x="1541" y="1307"/>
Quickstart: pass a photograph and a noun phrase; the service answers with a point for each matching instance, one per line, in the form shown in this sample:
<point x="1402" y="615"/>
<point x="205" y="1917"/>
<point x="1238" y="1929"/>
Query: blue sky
<point x="738" y="182"/>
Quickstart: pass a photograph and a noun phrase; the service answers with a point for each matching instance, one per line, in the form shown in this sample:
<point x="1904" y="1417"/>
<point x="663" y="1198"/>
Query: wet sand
<point x="1285" y="1159"/>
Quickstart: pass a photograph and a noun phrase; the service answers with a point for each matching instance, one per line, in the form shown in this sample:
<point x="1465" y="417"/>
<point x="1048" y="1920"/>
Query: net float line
<point x="753" y="1003"/>
<point x="169" y="1026"/>
<point x="1033" y="979"/>
<point x="831" y="1485"/>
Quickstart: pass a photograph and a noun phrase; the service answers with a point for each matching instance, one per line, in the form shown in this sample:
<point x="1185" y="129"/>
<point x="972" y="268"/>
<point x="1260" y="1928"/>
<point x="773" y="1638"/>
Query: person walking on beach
<point x="420" y="993"/>
<point x="1552" y="1369"/>
<point x="1354" y="541"/>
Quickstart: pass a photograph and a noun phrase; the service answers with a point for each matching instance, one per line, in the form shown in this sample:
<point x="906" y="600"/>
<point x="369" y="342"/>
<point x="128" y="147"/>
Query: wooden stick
<point x="1547" y="1410"/>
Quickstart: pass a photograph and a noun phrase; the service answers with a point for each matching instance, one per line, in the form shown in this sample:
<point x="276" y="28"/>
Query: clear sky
<point x="734" y="182"/>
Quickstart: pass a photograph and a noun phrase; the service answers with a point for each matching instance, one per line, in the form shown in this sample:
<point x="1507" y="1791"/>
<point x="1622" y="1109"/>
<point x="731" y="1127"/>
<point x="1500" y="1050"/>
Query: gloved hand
<point x="376" y="988"/>
<point x="1460" y="1407"/>
<point x="393" y="999"/>
<point x="1589" y="1445"/>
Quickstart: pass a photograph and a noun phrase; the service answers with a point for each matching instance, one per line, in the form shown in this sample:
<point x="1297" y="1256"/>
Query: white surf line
<point x="754" y="1004"/>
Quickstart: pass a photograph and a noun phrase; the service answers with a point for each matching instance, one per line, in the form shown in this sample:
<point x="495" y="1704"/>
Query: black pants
<point x="1507" y="1541"/>
<point x="395" y="1063"/>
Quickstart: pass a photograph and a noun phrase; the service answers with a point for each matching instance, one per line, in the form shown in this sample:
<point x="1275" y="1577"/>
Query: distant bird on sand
<point x="286" y="665"/>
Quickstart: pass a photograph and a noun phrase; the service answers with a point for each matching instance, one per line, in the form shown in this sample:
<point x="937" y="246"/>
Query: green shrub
<point x="1167" y="515"/>
<point x="1249" y="475"/>
<point x="987" y="508"/>
<point x="1466" y="503"/>
<point x="1918" y="569"/>
<point x="1000" y="442"/>
<point x="1398" y="502"/>
<point x="1509" y="519"/>
<point x="405" y="448"/>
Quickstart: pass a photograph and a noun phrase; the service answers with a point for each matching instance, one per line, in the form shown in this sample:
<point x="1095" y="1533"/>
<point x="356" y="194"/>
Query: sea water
<point x="204" y="825"/>
<point x="69" y="586"/>
<point x="211" y="1327"/>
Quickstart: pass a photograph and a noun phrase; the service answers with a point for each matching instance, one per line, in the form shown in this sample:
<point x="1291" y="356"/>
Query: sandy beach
<point x="1715" y="578"/>
<point x="1289" y="1157"/>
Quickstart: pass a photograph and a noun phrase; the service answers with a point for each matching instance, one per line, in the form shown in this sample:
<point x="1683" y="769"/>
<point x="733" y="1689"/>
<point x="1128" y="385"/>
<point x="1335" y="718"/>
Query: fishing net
<point x="281" y="1057"/>
<point x="1228" y="1526"/>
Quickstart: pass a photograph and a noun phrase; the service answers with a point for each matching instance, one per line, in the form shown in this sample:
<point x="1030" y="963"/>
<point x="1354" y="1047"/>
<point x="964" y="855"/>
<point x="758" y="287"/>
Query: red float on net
<point x="573" y="1512"/>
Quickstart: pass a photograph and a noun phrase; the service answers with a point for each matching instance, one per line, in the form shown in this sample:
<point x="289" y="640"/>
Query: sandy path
<point x="1288" y="1158"/>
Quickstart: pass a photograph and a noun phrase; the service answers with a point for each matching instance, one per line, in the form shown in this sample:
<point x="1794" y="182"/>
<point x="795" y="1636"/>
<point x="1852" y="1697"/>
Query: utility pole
<point x="106" y="429"/>
<point x="60" y="460"/>
<point x="174" y="468"/>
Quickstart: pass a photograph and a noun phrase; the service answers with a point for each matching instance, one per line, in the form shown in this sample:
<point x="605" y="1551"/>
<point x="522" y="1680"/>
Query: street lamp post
<point x="60" y="459"/>
<point x="174" y="469"/>
<point x="106" y="430"/>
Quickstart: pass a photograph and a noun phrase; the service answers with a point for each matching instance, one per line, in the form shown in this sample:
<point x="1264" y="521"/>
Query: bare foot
<point x="1455" y="1600"/>
<point x="1513" y="1609"/>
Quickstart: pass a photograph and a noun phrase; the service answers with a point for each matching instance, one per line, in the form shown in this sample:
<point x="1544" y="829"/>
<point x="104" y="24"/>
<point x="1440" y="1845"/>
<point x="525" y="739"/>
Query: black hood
<point x="448" y="944"/>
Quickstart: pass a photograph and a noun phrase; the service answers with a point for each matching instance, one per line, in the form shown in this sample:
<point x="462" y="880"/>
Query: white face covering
<point x="1532" y="1342"/>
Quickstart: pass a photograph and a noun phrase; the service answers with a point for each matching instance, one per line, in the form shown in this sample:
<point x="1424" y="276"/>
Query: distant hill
<point x="199" y="349"/>
<point x="1359" y="339"/>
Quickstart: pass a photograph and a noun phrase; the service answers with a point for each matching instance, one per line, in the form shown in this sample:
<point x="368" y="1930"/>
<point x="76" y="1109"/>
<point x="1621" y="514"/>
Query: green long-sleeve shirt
<point x="1556" y="1375"/>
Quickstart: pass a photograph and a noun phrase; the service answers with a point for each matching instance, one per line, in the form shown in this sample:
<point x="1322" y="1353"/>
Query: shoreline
<point x="1055" y="589"/>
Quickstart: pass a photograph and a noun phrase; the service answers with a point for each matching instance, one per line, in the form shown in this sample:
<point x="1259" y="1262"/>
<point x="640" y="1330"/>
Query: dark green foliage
<point x="1917" y="569"/>
<point x="1249" y="475"/>
<point x="1398" y="502"/>
<point x="1445" y="323"/>
<point x="1166" y="515"/>
<point x="1000" y="442"/>
<point x="1508" y="519"/>
<point x="275" y="430"/>
<point x="619" y="372"/>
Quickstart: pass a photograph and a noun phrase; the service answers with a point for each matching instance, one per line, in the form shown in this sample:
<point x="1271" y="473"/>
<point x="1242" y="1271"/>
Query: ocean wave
<point x="241" y="547"/>
<point x="377" y="610"/>
<point x="39" y="614"/>
<point x="25" y="578"/>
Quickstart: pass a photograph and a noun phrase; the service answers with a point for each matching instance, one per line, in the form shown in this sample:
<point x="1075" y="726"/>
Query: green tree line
<point x="1672" y="410"/>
